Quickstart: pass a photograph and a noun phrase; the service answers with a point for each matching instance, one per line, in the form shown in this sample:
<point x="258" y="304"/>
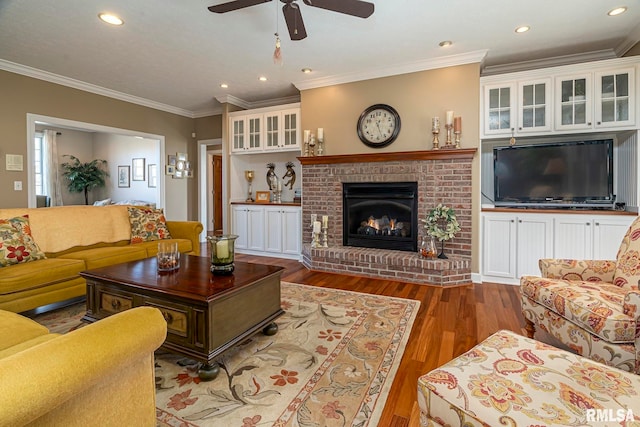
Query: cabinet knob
<point x="597" y="223"/>
<point x="520" y="128"/>
<point x="588" y="224"/>
<point x="598" y="123"/>
<point x="589" y="123"/>
<point x="513" y="220"/>
<point x="520" y="221"/>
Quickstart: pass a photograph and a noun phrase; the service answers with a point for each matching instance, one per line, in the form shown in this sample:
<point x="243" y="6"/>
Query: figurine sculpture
<point x="291" y="174"/>
<point x="272" y="178"/>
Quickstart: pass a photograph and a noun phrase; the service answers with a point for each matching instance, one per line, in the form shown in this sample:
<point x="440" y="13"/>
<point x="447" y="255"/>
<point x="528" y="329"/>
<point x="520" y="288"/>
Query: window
<point x="39" y="164"/>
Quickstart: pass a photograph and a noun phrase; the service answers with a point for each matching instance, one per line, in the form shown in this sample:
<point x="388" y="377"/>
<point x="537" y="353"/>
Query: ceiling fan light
<point x="224" y="85"/>
<point x="445" y="43"/>
<point x="262" y="78"/>
<point x="522" y="29"/>
<point x="110" y="19"/>
<point x="617" y="11"/>
<point x="306" y="70"/>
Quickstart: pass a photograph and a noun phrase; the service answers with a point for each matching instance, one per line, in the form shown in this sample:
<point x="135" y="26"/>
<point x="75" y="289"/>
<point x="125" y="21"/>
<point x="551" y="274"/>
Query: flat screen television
<point x="567" y="174"/>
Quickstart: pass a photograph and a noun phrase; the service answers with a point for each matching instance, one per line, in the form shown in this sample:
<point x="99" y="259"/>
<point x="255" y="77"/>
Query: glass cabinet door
<point x="291" y="120"/>
<point x="499" y="109"/>
<point x="272" y="130"/>
<point x="255" y="132"/>
<point x="237" y="126"/>
<point x="614" y="102"/>
<point x="534" y="108"/>
<point x="574" y="106"/>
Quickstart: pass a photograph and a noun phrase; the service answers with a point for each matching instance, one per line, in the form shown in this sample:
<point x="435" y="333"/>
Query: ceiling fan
<point x="292" y="15"/>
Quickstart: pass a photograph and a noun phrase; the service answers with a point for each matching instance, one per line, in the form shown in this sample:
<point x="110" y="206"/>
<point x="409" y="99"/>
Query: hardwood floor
<point x="450" y="321"/>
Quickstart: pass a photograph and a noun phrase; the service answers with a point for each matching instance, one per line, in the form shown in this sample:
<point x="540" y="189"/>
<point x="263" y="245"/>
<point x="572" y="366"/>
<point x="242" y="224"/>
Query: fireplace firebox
<point x="380" y="215"/>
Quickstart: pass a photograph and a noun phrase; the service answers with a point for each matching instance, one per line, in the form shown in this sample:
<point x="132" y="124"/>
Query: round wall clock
<point x="378" y="125"/>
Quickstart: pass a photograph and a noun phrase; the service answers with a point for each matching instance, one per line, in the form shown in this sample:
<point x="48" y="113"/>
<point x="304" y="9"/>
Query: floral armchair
<point x="593" y="307"/>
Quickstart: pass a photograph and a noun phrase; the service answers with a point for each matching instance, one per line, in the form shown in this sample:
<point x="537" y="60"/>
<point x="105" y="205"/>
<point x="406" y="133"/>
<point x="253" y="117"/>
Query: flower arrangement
<point x="438" y="217"/>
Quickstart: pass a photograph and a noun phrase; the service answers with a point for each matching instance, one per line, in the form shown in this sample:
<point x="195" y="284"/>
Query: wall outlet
<point x="17" y="185"/>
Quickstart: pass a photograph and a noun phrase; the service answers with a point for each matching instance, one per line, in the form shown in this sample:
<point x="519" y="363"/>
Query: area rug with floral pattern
<point x="331" y="363"/>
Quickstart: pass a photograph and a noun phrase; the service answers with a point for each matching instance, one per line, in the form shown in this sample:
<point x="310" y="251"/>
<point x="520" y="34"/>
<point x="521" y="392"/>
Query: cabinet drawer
<point x="177" y="316"/>
<point x="111" y="303"/>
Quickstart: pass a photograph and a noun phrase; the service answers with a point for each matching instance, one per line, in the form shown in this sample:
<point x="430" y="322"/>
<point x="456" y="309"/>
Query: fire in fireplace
<point x="380" y="215"/>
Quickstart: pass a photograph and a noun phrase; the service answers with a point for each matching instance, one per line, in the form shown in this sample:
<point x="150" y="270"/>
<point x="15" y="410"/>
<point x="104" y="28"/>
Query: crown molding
<point x="630" y="41"/>
<point x="206" y="113"/>
<point x="554" y="61"/>
<point x="394" y="70"/>
<point x="35" y="73"/>
<point x="248" y="105"/>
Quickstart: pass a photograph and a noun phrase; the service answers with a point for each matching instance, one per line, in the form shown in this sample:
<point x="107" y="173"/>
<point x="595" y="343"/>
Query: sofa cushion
<point x="36" y="275"/>
<point x="596" y="307"/>
<point x="627" y="272"/>
<point x="102" y="257"/>
<point x="16" y="244"/>
<point x="15" y="329"/>
<point x="147" y="224"/>
<point x="26" y="344"/>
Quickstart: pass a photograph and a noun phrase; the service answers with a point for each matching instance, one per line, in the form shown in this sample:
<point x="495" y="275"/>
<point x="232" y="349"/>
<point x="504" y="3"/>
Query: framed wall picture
<point x="263" y="196"/>
<point x="171" y="159"/>
<point x="153" y="176"/>
<point x="179" y="174"/>
<point x="123" y="176"/>
<point x="138" y="169"/>
<point x="170" y="169"/>
<point x="181" y="156"/>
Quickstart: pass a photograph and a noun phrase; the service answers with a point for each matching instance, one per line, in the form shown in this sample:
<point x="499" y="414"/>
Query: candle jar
<point x="428" y="247"/>
<point x="168" y="256"/>
<point x="221" y="249"/>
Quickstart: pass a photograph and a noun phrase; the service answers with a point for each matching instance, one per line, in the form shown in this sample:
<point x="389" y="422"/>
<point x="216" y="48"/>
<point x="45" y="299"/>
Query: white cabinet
<point x="268" y="230"/>
<point x="588" y="97"/>
<point x="282" y="130"/>
<point x="283" y="228"/>
<point x="248" y="224"/>
<point x="589" y="237"/>
<point x="265" y="129"/>
<point x="513" y="244"/>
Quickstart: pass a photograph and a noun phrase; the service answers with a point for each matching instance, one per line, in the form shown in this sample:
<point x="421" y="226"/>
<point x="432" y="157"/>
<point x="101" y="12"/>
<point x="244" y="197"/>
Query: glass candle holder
<point x="168" y="256"/>
<point x="221" y="249"/>
<point x="428" y="247"/>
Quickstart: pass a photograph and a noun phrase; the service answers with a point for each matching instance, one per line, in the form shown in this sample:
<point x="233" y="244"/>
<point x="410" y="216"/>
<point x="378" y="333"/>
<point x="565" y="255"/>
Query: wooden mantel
<point x="460" y="153"/>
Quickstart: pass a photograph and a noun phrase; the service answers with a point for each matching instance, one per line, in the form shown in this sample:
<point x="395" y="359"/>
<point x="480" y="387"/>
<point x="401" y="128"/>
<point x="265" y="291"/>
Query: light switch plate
<point x="17" y="185"/>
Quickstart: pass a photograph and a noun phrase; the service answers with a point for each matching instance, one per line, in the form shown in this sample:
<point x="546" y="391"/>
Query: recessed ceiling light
<point x="262" y="79"/>
<point x="523" y="29"/>
<point x="110" y="19"/>
<point x="224" y="85"/>
<point x="617" y="11"/>
<point x="445" y="43"/>
<point x="306" y="70"/>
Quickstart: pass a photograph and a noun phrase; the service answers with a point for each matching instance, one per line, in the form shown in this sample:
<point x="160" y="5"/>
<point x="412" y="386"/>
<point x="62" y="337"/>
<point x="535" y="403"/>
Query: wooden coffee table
<point x="206" y="314"/>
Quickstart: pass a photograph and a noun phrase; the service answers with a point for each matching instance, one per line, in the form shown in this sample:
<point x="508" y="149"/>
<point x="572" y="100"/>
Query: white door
<point x="255" y="228"/>
<point x="573" y="237"/>
<point x="291" y="230"/>
<point x="273" y="229"/>
<point x="607" y="236"/>
<point x="535" y="242"/>
<point x="239" y="226"/>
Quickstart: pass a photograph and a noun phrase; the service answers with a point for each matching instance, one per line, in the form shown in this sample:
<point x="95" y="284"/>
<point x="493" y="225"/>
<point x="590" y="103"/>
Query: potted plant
<point x="84" y="177"/>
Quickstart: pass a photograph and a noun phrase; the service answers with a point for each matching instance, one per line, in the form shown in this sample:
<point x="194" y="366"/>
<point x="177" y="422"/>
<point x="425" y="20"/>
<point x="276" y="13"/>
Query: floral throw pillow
<point x="16" y="244"/>
<point x="147" y="224"/>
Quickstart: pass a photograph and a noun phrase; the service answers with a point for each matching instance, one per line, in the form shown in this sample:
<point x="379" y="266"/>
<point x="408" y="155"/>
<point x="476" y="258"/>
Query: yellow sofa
<point x="77" y="238"/>
<point x="101" y="374"/>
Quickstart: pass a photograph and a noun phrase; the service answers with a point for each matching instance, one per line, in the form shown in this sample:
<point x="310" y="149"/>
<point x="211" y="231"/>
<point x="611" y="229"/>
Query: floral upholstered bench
<point x="510" y="380"/>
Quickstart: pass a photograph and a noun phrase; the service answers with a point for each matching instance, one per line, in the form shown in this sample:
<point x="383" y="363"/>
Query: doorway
<point x="214" y="211"/>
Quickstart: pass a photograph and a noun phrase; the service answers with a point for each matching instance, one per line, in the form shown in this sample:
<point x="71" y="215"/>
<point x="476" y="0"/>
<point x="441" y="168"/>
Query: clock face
<point x="378" y="125"/>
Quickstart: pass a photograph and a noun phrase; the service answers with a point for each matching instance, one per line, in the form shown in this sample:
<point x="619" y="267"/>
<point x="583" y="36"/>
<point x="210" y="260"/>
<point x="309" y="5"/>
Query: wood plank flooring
<point x="450" y="321"/>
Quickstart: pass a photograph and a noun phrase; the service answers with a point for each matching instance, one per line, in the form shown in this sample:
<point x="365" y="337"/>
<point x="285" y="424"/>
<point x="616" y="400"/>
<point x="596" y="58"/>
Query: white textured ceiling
<point x="176" y="52"/>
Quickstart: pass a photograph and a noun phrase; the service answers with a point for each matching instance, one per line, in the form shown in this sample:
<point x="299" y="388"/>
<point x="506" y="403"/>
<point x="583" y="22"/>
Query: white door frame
<point x="204" y="169"/>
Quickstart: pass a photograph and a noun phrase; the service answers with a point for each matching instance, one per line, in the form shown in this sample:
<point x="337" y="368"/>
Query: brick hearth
<point x="443" y="176"/>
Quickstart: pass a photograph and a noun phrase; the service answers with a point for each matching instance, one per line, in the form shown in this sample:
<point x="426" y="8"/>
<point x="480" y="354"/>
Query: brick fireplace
<point x="443" y="176"/>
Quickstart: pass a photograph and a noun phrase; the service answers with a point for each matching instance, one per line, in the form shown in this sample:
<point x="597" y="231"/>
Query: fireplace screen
<point x="380" y="215"/>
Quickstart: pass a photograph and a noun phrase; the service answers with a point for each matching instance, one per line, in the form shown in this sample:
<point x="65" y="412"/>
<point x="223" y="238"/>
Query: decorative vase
<point x="441" y="255"/>
<point x="428" y="247"/>
<point x="221" y="249"/>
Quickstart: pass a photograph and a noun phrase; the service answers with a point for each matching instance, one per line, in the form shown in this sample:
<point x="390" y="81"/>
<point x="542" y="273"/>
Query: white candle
<point x="449" y="117"/>
<point x="316" y="227"/>
<point x="320" y="133"/>
<point x="222" y="249"/>
<point x="306" y="135"/>
<point x="457" y="124"/>
<point x="325" y="221"/>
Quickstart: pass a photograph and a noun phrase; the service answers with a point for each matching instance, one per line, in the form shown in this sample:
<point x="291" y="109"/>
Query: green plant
<point x="84" y="177"/>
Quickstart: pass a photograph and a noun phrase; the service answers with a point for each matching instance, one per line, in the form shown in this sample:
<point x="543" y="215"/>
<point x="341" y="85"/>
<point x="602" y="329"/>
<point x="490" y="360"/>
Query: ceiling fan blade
<point x="293" y="18"/>
<point x="361" y="9"/>
<point x="235" y="5"/>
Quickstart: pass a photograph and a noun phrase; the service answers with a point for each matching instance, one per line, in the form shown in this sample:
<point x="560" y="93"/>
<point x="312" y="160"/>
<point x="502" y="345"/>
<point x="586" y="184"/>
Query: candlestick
<point x="325" y="221"/>
<point x="312" y="144"/>
<point x="457" y="124"/>
<point x="449" y="120"/>
<point x="449" y="128"/>
<point x="325" y="237"/>
<point x="435" y="123"/>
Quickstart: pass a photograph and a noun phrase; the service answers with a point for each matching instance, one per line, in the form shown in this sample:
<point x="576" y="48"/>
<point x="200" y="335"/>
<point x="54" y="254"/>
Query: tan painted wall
<point x="417" y="97"/>
<point x="22" y="95"/>
<point x="635" y="50"/>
